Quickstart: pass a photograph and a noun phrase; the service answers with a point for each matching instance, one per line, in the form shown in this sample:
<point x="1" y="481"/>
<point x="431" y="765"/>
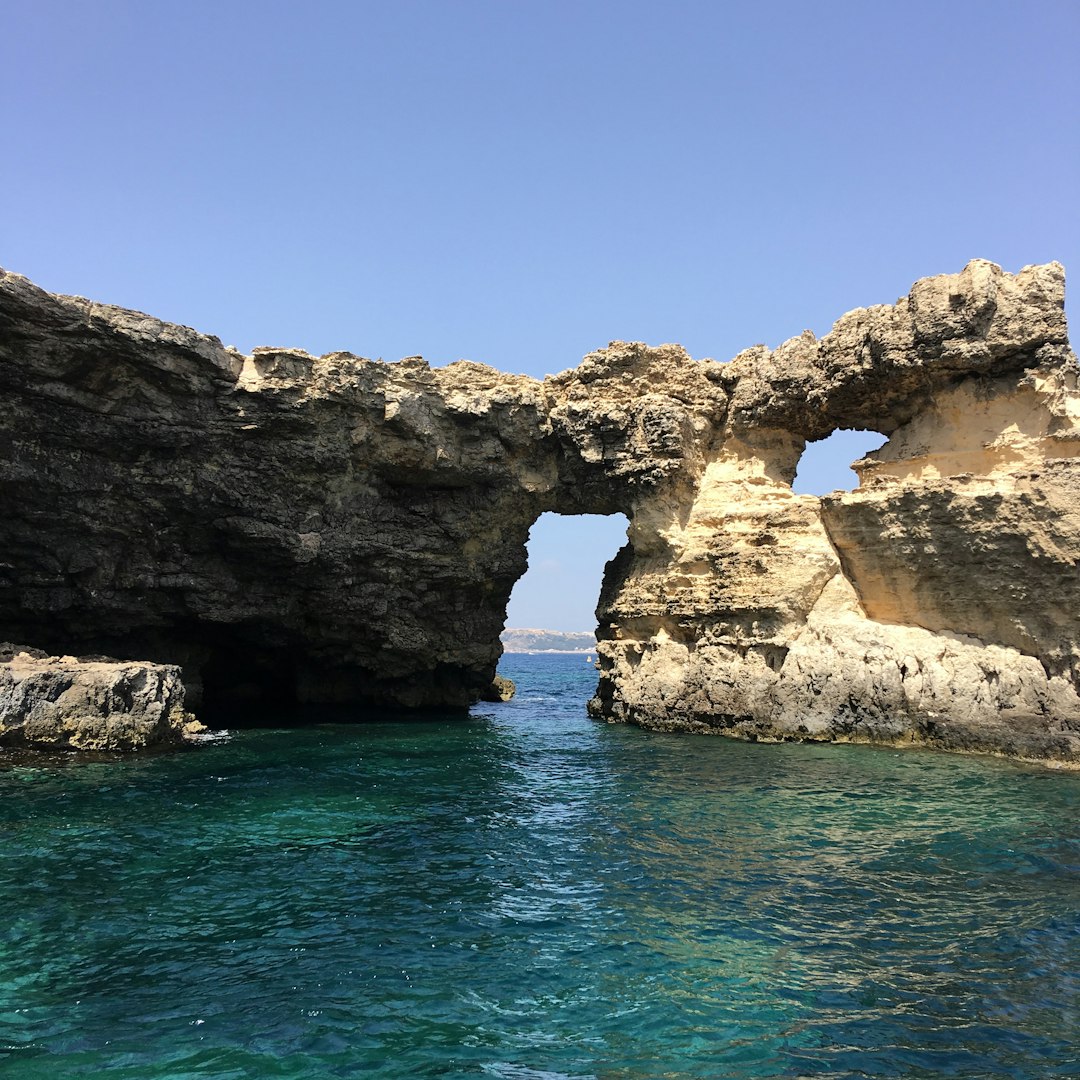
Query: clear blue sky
<point x="519" y="182"/>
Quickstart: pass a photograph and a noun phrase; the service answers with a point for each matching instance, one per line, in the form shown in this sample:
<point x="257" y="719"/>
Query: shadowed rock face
<point x="333" y="529"/>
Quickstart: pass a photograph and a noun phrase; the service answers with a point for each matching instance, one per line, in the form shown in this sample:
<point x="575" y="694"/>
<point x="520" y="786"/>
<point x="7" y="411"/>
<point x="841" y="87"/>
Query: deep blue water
<point x="530" y="894"/>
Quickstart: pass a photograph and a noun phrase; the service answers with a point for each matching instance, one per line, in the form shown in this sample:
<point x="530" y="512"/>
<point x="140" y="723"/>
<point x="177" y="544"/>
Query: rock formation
<point x="335" y="529"/>
<point x="501" y="689"/>
<point x="937" y="603"/>
<point x="89" y="703"/>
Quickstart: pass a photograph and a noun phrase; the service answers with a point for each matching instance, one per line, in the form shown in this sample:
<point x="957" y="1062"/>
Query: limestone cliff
<point x="937" y="603"/>
<point x="332" y="528"/>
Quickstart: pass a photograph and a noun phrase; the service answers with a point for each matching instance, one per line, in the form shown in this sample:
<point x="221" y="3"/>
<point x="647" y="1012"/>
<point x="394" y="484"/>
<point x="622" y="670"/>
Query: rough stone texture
<point x="339" y="529"/>
<point x="936" y="604"/>
<point x="501" y="689"/>
<point x="69" y="703"/>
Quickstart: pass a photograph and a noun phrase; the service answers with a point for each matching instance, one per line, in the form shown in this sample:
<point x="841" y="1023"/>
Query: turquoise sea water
<point x="529" y="894"/>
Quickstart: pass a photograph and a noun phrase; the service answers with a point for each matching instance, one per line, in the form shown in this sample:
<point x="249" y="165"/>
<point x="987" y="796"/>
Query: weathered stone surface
<point x="337" y="529"/>
<point x="89" y="703"/>
<point x="501" y="689"/>
<point x="285" y="527"/>
<point x="937" y="603"/>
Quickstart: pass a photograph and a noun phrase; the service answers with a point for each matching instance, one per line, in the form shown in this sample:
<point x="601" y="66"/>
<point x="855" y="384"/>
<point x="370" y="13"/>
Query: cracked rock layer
<point x="335" y="529"/>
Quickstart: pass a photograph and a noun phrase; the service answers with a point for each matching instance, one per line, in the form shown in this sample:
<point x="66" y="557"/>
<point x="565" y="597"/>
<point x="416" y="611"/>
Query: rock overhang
<point x="359" y="524"/>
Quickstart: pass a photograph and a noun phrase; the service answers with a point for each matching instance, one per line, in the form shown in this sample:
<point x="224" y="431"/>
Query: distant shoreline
<point x="551" y="652"/>
<point x="530" y="639"/>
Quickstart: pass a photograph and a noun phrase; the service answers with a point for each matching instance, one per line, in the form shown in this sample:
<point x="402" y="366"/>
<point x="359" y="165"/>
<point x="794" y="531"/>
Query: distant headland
<point x="530" y="640"/>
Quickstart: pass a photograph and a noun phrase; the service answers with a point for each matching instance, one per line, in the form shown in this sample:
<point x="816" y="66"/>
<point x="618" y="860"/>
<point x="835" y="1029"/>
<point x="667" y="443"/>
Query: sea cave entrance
<point x="552" y="608"/>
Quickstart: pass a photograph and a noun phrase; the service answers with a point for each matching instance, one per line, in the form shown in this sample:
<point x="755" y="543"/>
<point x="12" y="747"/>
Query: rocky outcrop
<point x="937" y="603"/>
<point x="337" y="529"/>
<point x="501" y="689"/>
<point x="89" y="703"/>
<point x="285" y="527"/>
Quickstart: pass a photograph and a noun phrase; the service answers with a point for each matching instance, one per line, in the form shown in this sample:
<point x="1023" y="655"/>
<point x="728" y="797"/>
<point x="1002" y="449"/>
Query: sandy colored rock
<point x="936" y="604"/>
<point x="70" y="703"/>
<point x="501" y="689"/>
<point x="336" y="529"/>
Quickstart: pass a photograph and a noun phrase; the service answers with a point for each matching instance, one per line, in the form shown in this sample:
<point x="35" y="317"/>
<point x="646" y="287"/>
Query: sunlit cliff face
<point x="331" y="528"/>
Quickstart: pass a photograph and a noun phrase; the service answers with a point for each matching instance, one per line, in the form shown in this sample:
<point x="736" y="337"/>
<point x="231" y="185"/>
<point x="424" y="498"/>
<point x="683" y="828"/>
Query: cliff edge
<point x="337" y="529"/>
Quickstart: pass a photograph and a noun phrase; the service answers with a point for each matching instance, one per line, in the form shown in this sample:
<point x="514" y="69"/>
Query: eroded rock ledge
<point x="90" y="703"/>
<point x="335" y="529"/>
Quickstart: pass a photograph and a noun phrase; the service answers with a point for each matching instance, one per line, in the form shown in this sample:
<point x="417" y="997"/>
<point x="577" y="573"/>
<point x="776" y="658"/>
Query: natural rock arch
<point x="355" y="527"/>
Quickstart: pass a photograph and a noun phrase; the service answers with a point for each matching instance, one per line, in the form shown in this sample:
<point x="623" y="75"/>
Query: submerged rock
<point x="333" y="529"/>
<point x="89" y="703"/>
<point x="501" y="689"/>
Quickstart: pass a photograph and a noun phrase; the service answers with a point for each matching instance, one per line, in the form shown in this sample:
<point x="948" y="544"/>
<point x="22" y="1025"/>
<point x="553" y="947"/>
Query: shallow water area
<point x="527" y="893"/>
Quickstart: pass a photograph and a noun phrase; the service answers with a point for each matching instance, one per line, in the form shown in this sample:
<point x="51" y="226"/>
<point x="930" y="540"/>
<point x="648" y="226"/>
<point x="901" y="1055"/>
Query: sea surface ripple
<point x="529" y="895"/>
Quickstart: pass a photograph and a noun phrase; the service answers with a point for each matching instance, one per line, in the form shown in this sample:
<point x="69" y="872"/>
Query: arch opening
<point x="825" y="465"/>
<point x="553" y="604"/>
